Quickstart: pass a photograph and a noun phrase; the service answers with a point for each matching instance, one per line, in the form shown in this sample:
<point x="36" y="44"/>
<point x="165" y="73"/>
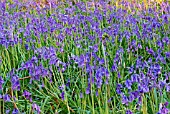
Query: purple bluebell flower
<point x="114" y="67"/>
<point x="62" y="95"/>
<point x="68" y="83"/>
<point x="15" y="111"/>
<point x="135" y="78"/>
<point x="150" y="60"/>
<point x="107" y="81"/>
<point x="97" y="93"/>
<point x="6" y="98"/>
<point x="101" y="61"/>
<point x="116" y="58"/>
<point x="140" y="100"/>
<point x="36" y="107"/>
<point x="136" y="94"/>
<point x="167" y="54"/>
<point x="81" y="95"/>
<point x="166" y="104"/>
<point x="1" y="82"/>
<point x="27" y="47"/>
<point x="87" y="90"/>
<point x="138" y="63"/>
<point x="0" y="61"/>
<point x="131" y="97"/>
<point x="129" y="112"/>
<point x="7" y="111"/>
<point x="124" y="99"/>
<point x="162" y="59"/>
<point x="168" y="87"/>
<point x="156" y="68"/>
<point x="99" y="75"/>
<point x="62" y="87"/>
<point x="131" y="70"/>
<point x="165" y="18"/>
<point x="150" y="51"/>
<point x="163" y="108"/>
<point x="15" y="82"/>
<point x="128" y="83"/>
<point x="164" y="111"/>
<point x="110" y="99"/>
<point x="26" y="94"/>
<point x="139" y="46"/>
<point x="166" y="40"/>
<point x="118" y="75"/>
<point x="95" y="48"/>
<point x="106" y="73"/>
<point x="144" y="85"/>
<point x="159" y="43"/>
<point x="118" y="88"/>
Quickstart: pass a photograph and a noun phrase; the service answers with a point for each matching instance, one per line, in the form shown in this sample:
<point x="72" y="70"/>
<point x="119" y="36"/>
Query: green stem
<point x="65" y="92"/>
<point x="106" y="99"/>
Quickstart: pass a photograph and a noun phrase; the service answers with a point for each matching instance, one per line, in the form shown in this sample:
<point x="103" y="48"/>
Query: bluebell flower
<point x="7" y="111"/>
<point x="68" y="83"/>
<point x="162" y="59"/>
<point x="1" y="82"/>
<point x="88" y="89"/>
<point x="166" y="40"/>
<point x="114" y="67"/>
<point x="97" y="93"/>
<point x="118" y="88"/>
<point x="36" y="107"/>
<point x="81" y="95"/>
<point x="27" y="94"/>
<point x="131" y="97"/>
<point x="62" y="87"/>
<point x="15" y="82"/>
<point x="167" y="54"/>
<point x="159" y="43"/>
<point x="15" y="111"/>
<point x="136" y="94"/>
<point x="128" y="84"/>
<point x="163" y="108"/>
<point x="168" y="87"/>
<point x="62" y="95"/>
<point x="101" y="61"/>
<point x="6" y="98"/>
<point x="110" y="99"/>
<point x="135" y="78"/>
<point x="118" y="75"/>
<point x="124" y="99"/>
<point x="139" y="46"/>
<point x="131" y="69"/>
<point x="129" y="112"/>
<point x="150" y="51"/>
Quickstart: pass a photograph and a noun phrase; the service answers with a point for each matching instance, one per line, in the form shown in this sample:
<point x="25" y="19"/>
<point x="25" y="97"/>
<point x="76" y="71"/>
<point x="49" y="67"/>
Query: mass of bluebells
<point x="84" y="57"/>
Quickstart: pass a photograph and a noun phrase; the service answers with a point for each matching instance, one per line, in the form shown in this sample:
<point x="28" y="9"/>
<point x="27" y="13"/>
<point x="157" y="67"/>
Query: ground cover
<point x="84" y="57"/>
